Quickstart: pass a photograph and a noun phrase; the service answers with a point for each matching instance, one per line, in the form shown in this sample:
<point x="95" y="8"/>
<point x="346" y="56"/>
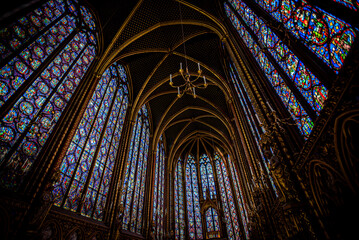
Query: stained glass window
<point x="158" y="194"/>
<point x="250" y="112"/>
<point x="239" y="196"/>
<point x="229" y="209"/>
<point x="135" y="173"/>
<point x="193" y="207"/>
<point x="44" y="55"/>
<point x="299" y="115"/>
<point x="179" y="202"/>
<point x="20" y="33"/>
<point x="329" y="37"/>
<point x="309" y="86"/>
<point x="212" y="223"/>
<point x="352" y="4"/>
<point x="87" y="167"/>
<point x="207" y="177"/>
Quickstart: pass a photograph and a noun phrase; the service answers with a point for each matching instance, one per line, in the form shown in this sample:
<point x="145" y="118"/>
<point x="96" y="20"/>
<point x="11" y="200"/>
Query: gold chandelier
<point x="190" y="81"/>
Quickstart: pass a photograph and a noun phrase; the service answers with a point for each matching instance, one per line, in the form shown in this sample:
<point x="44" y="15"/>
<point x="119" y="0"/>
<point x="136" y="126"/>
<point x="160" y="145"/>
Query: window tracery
<point x="210" y="223"/>
<point x="227" y="198"/>
<point x="135" y="174"/>
<point x="158" y="194"/>
<point x="193" y="206"/>
<point x="87" y="167"/>
<point x="44" y="56"/>
<point x="179" y="202"/>
<point x="329" y="37"/>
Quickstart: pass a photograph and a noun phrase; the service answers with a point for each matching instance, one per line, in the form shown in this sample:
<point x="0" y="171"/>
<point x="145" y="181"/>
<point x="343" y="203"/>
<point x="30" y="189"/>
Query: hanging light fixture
<point x="190" y="81"/>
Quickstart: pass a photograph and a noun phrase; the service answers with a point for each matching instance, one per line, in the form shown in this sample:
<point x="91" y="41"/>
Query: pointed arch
<point x="133" y="188"/>
<point x="39" y="72"/>
<point x="87" y="167"/>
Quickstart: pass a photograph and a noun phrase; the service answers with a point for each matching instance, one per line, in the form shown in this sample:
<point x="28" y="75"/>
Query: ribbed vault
<point x="151" y="45"/>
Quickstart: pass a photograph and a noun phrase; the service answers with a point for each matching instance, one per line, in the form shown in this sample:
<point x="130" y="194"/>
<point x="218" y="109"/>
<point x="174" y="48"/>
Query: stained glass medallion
<point x="46" y="86"/>
<point x="289" y="100"/>
<point x="329" y="37"/>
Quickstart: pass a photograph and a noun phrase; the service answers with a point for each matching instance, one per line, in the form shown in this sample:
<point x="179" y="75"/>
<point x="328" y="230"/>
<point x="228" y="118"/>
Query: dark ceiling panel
<point x="152" y="12"/>
<point x="201" y="44"/>
<point x="112" y="14"/>
<point x="141" y="66"/>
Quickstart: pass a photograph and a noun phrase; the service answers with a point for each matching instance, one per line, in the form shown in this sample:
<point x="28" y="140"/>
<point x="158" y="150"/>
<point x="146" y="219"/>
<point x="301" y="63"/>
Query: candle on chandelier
<point x="194" y="92"/>
<point x="180" y="65"/>
<point x="178" y="90"/>
<point x="259" y="121"/>
<point x="204" y="79"/>
<point x="199" y="66"/>
<point x="171" y="78"/>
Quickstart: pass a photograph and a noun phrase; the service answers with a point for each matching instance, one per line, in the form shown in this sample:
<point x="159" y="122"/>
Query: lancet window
<point x="227" y="197"/>
<point x="205" y="221"/>
<point x="133" y="188"/>
<point x="193" y="205"/>
<point x="325" y="35"/>
<point x="44" y="56"/>
<point x="158" y="194"/>
<point x="179" y="210"/>
<point x="87" y="167"/>
<point x="250" y="114"/>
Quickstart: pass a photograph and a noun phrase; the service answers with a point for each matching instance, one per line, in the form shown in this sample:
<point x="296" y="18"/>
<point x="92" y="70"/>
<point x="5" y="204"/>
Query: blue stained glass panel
<point x="136" y="165"/>
<point x="207" y="177"/>
<point x="193" y="207"/>
<point x="179" y="202"/>
<point x="47" y="86"/>
<point x="329" y="37"/>
<point x="239" y="196"/>
<point x="158" y="194"/>
<point x="297" y="112"/>
<point x="230" y="214"/>
<point x="352" y="4"/>
<point x="93" y="148"/>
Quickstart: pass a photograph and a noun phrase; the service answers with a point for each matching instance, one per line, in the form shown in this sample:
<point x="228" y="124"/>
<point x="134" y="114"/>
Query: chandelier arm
<point x="202" y="87"/>
<point x="178" y="86"/>
<point x="193" y="81"/>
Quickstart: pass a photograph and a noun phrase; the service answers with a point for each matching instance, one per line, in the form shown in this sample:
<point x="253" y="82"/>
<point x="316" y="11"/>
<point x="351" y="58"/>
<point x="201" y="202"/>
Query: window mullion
<point x="280" y="70"/>
<point x="320" y="69"/>
<point x="84" y="145"/>
<point x="135" y="161"/>
<point x="32" y="39"/>
<point x="19" y="140"/>
<point x="110" y="144"/>
<point x="140" y="175"/>
<point x="130" y="160"/>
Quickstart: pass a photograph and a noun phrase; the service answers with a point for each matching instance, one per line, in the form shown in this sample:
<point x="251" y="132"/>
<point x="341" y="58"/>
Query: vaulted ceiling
<point x="146" y="36"/>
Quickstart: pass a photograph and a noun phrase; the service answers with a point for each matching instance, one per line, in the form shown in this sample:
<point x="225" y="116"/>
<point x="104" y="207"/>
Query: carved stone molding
<point x="60" y="225"/>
